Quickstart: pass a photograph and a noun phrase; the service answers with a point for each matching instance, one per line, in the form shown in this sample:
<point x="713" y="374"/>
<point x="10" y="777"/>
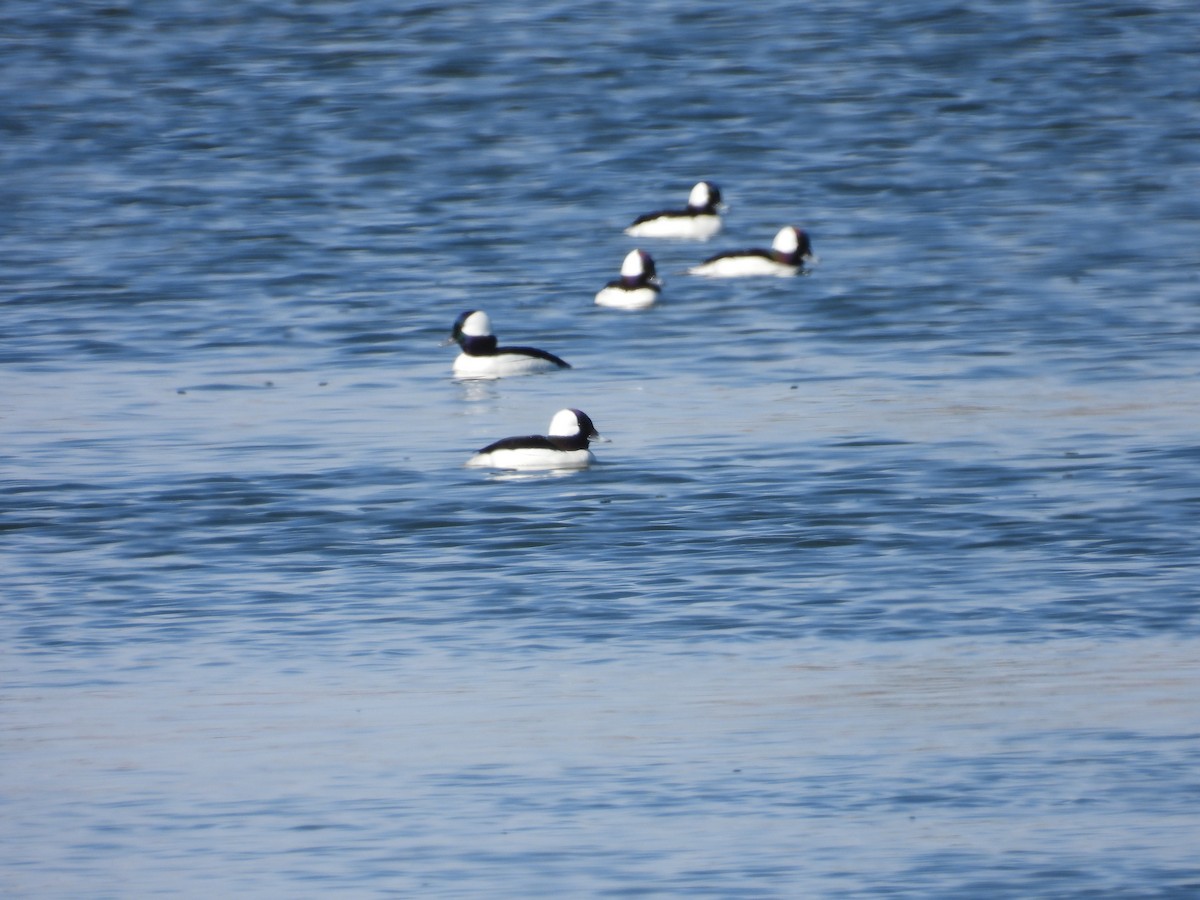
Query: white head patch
<point x="632" y="266"/>
<point x="786" y="241"/>
<point x="477" y="325"/>
<point x="699" y="195"/>
<point x="564" y="424"/>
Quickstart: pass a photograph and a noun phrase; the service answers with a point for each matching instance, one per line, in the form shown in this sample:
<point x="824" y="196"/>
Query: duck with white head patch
<point x="637" y="288"/>
<point x="565" y="447"/>
<point x="700" y="221"/>
<point x="482" y="358"/>
<point x="789" y="252"/>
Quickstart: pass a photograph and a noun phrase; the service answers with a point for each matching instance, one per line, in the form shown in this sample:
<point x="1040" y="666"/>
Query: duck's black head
<point x="473" y="332"/>
<point x="705" y="198"/>
<point x="638" y="269"/>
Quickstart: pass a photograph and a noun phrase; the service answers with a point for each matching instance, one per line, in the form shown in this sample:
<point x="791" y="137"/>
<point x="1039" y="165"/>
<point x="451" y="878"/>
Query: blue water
<point x="886" y="586"/>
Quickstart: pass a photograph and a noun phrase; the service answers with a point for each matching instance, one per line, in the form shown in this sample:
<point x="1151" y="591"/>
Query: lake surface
<point x="887" y="584"/>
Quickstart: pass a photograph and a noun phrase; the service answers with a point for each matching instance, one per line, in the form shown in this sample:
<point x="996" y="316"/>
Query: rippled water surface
<point x="886" y="585"/>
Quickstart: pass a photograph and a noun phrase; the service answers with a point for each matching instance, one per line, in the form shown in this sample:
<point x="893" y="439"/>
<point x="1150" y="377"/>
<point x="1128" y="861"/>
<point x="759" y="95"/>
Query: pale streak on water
<point x="918" y="759"/>
<point x="885" y="587"/>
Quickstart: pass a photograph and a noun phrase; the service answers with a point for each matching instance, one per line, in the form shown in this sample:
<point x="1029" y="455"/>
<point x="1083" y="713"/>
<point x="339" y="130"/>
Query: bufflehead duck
<point x="700" y="221"/>
<point x="481" y="358"/>
<point x="638" y="286"/>
<point x="790" y="250"/>
<point x="565" y="447"/>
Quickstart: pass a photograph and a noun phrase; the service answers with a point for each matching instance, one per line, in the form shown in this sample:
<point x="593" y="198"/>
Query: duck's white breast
<point x="618" y="298"/>
<point x="697" y="228"/>
<point x="502" y="365"/>
<point x="532" y="458"/>
<point x="742" y="267"/>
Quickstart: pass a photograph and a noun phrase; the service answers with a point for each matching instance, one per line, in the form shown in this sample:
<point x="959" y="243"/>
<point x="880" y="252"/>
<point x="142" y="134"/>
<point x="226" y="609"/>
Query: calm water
<point x="886" y="586"/>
